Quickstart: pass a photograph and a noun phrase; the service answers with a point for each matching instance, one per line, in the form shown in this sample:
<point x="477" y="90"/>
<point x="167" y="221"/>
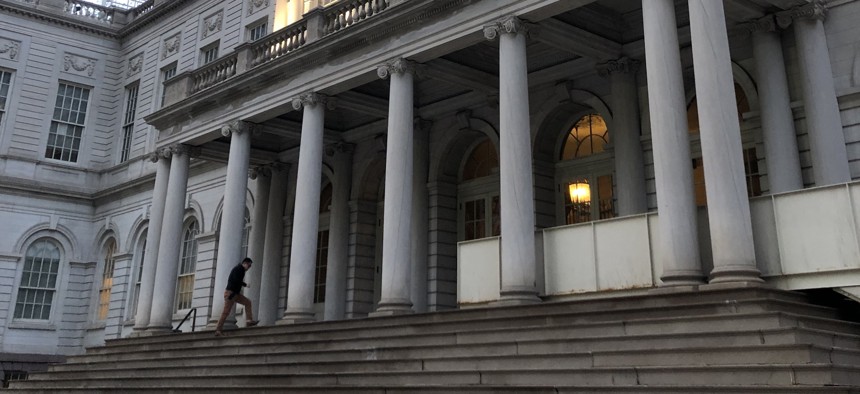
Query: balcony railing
<point x="214" y="73"/>
<point x="347" y="13"/>
<point x="278" y="43"/>
<point x="88" y="10"/>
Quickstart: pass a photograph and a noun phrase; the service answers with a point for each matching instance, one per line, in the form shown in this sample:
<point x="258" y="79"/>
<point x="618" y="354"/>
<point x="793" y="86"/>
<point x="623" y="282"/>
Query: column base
<point x="735" y="273"/>
<point x="296" y="317"/>
<point x="517" y="297"/>
<point x="683" y="278"/>
<point x="137" y="332"/>
<point x="156" y="331"/>
<point x="392" y="308"/>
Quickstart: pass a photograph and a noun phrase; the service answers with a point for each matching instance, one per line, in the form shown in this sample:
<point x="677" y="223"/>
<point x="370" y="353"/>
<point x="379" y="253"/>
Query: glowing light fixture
<point x="580" y="192"/>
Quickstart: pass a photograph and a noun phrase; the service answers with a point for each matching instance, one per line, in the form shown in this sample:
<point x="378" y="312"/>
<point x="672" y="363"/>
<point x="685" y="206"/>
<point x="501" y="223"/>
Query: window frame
<point x="167" y="73"/>
<point x="51" y="149"/>
<point x="108" y="264"/>
<point x="254" y="28"/>
<point x="185" y="271"/>
<point x="129" y="115"/>
<point x="7" y="98"/>
<point x="58" y="283"/>
<point x="207" y="55"/>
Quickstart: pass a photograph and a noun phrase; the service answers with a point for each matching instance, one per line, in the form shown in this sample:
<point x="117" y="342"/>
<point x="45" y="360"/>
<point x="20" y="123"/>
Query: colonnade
<point x="405" y="220"/>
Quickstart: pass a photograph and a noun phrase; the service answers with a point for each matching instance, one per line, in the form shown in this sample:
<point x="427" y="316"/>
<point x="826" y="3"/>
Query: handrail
<point x="193" y="311"/>
<point x="215" y="72"/>
<point x="86" y="9"/>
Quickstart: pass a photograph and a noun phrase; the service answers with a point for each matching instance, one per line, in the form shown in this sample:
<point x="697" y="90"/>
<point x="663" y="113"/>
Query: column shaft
<point x="397" y="216"/>
<point x="306" y="216"/>
<point x="629" y="164"/>
<point x="420" y="222"/>
<point x="257" y="236"/>
<point x="823" y="121"/>
<point x="170" y="244"/>
<point x="777" y="121"/>
<point x="673" y="172"/>
<point x="515" y="159"/>
<point x="273" y="253"/>
<point x="338" y="245"/>
<point x="722" y="152"/>
<point x="153" y="239"/>
<point x="232" y="215"/>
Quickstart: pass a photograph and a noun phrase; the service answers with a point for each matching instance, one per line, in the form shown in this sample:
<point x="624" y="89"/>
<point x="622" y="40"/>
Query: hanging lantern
<point x="580" y="192"/>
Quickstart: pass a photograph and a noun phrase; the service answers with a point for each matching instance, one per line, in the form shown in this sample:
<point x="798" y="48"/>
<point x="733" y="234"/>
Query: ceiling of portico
<point x="563" y="47"/>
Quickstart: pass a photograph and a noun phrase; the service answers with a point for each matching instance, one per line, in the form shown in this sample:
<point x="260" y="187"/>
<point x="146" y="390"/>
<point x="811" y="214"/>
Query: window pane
<point x="64" y="136"/>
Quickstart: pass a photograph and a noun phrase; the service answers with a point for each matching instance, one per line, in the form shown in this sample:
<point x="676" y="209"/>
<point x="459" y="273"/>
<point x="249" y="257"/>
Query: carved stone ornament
<point x="813" y="10"/>
<point x="764" y="24"/>
<point x="506" y="25"/>
<point x="135" y="65"/>
<point x="212" y="24"/>
<point x="79" y="64"/>
<point x="256" y="5"/>
<point x="171" y="46"/>
<point x="623" y="65"/>
<point x="397" y="66"/>
<point x="309" y="99"/>
<point x="236" y="127"/>
<point x="9" y="48"/>
<point x="180" y="149"/>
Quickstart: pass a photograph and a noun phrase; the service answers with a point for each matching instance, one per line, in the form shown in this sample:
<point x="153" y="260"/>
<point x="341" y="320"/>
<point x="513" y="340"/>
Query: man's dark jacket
<point x="235" y="281"/>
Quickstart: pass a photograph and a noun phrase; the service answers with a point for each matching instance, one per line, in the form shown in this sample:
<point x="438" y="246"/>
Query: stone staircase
<point x="708" y="340"/>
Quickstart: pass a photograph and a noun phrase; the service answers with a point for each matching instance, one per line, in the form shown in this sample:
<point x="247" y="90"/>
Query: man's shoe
<point x="218" y="333"/>
<point x="251" y="323"/>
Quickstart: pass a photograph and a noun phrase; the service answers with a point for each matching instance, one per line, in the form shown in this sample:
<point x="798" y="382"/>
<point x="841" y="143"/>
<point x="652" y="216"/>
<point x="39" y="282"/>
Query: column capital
<point x="397" y="66"/>
<point x="339" y="147"/>
<point x="258" y="171"/>
<point x="238" y="127"/>
<point x="160" y="153"/>
<point x="175" y="150"/>
<point x="311" y="99"/>
<point x="815" y="10"/>
<point x="624" y="65"/>
<point x="507" y="25"/>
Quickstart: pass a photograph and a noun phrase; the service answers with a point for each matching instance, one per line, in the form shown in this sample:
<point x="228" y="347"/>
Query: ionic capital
<point x="236" y="127"/>
<point x="764" y="24"/>
<point x="815" y="10"/>
<point x="339" y="147"/>
<point x="507" y="25"/>
<point x="260" y="171"/>
<point x="397" y="66"/>
<point x="310" y="99"/>
<point x="622" y="65"/>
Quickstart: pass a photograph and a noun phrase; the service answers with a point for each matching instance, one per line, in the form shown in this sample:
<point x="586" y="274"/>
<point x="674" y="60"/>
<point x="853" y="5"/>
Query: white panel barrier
<point x="478" y="279"/>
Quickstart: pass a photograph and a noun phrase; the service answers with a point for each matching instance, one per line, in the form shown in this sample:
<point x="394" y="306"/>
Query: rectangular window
<point x="185" y="283"/>
<point x="210" y="54"/>
<point x="257" y="32"/>
<point x="5" y="83"/>
<point x="67" y="127"/>
<point x="322" y="263"/>
<point x="166" y="74"/>
<point x="128" y="122"/>
<point x="9" y="376"/>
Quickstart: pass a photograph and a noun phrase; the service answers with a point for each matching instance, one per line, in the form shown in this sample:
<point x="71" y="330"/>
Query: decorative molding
<point x="238" y="127"/>
<point x="815" y="10"/>
<point x="764" y="24"/>
<point x="170" y="46"/>
<point x="622" y="65"/>
<point x="78" y="64"/>
<point x="507" y="25"/>
<point x="397" y="66"/>
<point x="339" y="147"/>
<point x="135" y="64"/>
<point x="256" y="5"/>
<point x="212" y="24"/>
<point x="9" y="48"/>
<point x="309" y="99"/>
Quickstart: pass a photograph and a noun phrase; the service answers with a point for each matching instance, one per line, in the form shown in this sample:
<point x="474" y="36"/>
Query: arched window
<point x="751" y="170"/>
<point x="246" y="234"/>
<point x="185" y="284"/>
<point x="321" y="268"/>
<point x="479" y="201"/>
<point x="107" y="279"/>
<point x="38" y="281"/>
<point x="582" y="186"/>
<point x="139" y="277"/>
<point x="588" y="136"/>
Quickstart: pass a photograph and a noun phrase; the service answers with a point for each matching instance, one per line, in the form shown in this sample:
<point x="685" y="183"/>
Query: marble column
<point x="673" y="172"/>
<point x="257" y="236"/>
<point x="170" y="243"/>
<point x="338" y="235"/>
<point x="420" y="221"/>
<point x="153" y="238"/>
<point x="722" y="151"/>
<point x="232" y="214"/>
<point x="273" y="252"/>
<point x="777" y="121"/>
<point x="300" y="293"/>
<point x="515" y="159"/>
<point x="629" y="164"/>
<point x="823" y="121"/>
<point x="397" y="216"/>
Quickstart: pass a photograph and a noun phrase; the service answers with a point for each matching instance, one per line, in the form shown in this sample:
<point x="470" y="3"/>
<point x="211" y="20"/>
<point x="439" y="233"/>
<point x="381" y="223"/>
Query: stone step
<point x="289" y="364"/>
<point x="704" y="376"/>
<point x="484" y="389"/>
<point x="611" y="332"/>
<point x="214" y="354"/>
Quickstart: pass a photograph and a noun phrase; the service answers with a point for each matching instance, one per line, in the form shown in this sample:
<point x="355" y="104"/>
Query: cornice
<point x="59" y="20"/>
